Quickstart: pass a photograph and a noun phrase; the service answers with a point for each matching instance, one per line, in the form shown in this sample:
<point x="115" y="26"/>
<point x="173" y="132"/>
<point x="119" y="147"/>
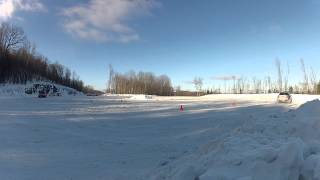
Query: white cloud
<point x="106" y="20"/>
<point x="9" y="7"/>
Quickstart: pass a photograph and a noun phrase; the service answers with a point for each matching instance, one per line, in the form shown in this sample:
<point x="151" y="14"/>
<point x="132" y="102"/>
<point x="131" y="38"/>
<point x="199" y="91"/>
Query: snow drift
<point x="311" y="108"/>
<point x="278" y="147"/>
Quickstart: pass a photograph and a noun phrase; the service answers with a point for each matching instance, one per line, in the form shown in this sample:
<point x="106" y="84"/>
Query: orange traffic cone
<point x="181" y="108"/>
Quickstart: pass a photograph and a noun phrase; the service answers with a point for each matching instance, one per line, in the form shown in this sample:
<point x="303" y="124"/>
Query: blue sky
<point x="183" y="39"/>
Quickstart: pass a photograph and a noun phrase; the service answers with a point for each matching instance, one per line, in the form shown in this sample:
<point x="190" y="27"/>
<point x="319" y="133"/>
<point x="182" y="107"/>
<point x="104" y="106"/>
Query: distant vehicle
<point x="28" y="90"/>
<point x="92" y="94"/>
<point x="42" y="94"/>
<point x="284" y="97"/>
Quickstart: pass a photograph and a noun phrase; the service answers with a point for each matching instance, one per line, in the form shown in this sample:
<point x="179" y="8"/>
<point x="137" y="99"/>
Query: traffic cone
<point x="181" y="108"/>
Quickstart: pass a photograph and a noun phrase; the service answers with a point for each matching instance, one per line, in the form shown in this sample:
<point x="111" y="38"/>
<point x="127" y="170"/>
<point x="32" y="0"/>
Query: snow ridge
<point x="274" y="147"/>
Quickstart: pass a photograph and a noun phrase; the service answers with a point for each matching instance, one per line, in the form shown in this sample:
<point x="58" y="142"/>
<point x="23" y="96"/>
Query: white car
<point x="284" y="98"/>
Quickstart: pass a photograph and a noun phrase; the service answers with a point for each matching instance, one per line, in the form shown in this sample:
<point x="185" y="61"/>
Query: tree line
<point x="139" y="83"/>
<point x="20" y="62"/>
<point x="147" y="83"/>
<point x="243" y="85"/>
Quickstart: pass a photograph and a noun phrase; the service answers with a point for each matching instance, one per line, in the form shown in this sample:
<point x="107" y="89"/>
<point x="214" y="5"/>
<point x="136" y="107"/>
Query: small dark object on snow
<point x="42" y="94"/>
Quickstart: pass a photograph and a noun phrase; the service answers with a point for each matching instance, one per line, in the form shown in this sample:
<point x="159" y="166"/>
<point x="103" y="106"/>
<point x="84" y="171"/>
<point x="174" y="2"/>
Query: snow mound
<point x="265" y="163"/>
<point x="307" y="123"/>
<point x="19" y="89"/>
<point x="311" y="108"/>
<point x="12" y="90"/>
<point x="281" y="148"/>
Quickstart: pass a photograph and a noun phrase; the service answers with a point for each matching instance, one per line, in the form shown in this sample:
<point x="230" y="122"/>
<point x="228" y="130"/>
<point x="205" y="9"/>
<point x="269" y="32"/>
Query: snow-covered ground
<point x="216" y="137"/>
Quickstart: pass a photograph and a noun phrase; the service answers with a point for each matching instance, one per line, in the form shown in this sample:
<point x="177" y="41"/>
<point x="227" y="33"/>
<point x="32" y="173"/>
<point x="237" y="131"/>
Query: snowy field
<point x="216" y="137"/>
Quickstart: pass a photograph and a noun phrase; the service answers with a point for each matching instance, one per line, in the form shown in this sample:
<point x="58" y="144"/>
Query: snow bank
<point x="141" y="97"/>
<point x="281" y="147"/>
<point x="12" y="90"/>
<point x="66" y="91"/>
<point x="307" y="128"/>
<point x="311" y="108"/>
<point x="133" y="97"/>
<point x="243" y="97"/>
<point x="307" y="123"/>
<point x="302" y="98"/>
<point x="298" y="99"/>
<point x="19" y="89"/>
<point x="222" y="97"/>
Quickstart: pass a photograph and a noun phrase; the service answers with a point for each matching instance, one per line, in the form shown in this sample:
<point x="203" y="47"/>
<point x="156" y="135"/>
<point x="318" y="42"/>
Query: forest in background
<point x="148" y="83"/>
<point x="139" y="83"/>
<point x="20" y="62"/>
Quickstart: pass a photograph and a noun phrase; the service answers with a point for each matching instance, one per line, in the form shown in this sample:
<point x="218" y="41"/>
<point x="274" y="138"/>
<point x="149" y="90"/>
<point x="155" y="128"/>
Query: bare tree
<point x="286" y="78"/>
<point x="111" y="76"/>
<point x="279" y="70"/>
<point x="305" y="77"/>
<point x="234" y="78"/>
<point x="198" y="82"/>
<point x="269" y="84"/>
<point x="239" y="86"/>
<point x="256" y="85"/>
<point x="11" y="37"/>
<point x="226" y="80"/>
<point x="314" y="81"/>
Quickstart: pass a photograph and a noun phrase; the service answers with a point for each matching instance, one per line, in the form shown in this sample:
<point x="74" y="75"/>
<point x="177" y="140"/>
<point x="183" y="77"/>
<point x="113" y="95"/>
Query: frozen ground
<point x="218" y="137"/>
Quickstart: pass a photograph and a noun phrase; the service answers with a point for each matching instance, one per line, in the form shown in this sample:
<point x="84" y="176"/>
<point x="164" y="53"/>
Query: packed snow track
<point x="245" y="137"/>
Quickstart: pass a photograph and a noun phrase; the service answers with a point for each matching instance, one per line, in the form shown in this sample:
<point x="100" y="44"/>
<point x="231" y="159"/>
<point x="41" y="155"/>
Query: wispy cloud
<point x="106" y="20"/>
<point x="226" y="78"/>
<point x="9" y="7"/>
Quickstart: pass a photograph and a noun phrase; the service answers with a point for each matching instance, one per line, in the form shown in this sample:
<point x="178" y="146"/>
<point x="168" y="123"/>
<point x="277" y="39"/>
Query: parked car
<point x="28" y="90"/>
<point x="284" y="97"/>
<point x="42" y="94"/>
